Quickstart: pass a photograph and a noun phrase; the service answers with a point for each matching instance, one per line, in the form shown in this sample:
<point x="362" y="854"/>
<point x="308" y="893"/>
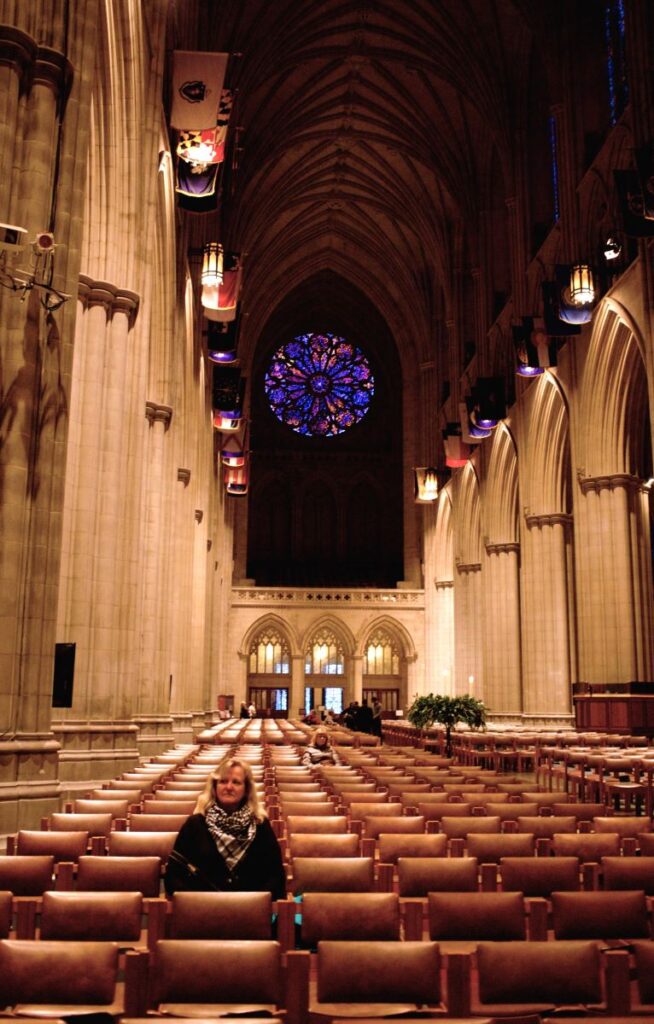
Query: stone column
<point x="152" y="714"/>
<point x="467" y="605"/>
<point x="612" y="546"/>
<point x="547" y="622"/>
<point x="441" y="679"/>
<point x="296" y="696"/>
<point x="501" y="619"/>
<point x="357" y="677"/>
<point x="33" y="352"/>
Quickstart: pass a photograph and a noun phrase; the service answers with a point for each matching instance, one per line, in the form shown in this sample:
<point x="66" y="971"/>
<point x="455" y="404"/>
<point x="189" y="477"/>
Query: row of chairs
<point x="214" y="977"/>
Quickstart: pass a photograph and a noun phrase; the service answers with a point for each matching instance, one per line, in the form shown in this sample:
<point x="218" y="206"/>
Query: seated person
<point x="319" y="750"/>
<point x="228" y="843"/>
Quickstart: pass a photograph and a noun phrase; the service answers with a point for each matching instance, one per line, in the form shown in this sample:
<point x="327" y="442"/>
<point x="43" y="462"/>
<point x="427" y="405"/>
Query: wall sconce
<point x="212" y="264"/>
<point x="582" y="285"/>
<point x="40" y="274"/>
<point x="426" y="485"/>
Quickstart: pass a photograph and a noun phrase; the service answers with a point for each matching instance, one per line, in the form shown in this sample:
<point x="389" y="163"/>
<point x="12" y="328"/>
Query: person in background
<point x="319" y="750"/>
<point x="376" y="717"/>
<point x="243" y="713"/>
<point x="365" y="717"/>
<point x="328" y="717"/>
<point x="227" y="844"/>
<point x="252" y="710"/>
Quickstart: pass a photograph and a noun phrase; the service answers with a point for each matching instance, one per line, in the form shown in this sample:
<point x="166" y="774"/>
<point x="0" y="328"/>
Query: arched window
<point x="382" y="655"/>
<point x="382" y="674"/>
<point x="269" y="654"/>
<point x="324" y="656"/>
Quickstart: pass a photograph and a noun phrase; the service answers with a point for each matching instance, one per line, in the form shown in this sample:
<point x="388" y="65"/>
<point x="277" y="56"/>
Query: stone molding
<point x="184" y="476"/>
<point x="112" y="298"/>
<point x="444" y="584"/>
<point x="155" y="413"/>
<point x="199" y="515"/>
<point x="55" y="71"/>
<point x="463" y="568"/>
<point x="533" y="519"/>
<point x="328" y="598"/>
<point x="506" y="548"/>
<point x="609" y="481"/>
<point x="17" y="51"/>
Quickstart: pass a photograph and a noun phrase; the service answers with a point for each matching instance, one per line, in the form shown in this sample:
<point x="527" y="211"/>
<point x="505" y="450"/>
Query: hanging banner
<point x="197" y="87"/>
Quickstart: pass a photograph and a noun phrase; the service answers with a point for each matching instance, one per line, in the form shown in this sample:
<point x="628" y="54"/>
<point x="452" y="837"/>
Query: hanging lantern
<point x="212" y="264"/>
<point x="426" y="485"/>
<point x="488" y="403"/>
<point x="582" y="285"/>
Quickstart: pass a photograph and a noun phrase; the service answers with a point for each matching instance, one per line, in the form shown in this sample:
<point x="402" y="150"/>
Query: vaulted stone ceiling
<point x="374" y="136"/>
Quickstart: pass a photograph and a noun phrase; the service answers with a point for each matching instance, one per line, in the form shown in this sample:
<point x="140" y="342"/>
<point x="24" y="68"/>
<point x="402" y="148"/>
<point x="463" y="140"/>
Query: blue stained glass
<point x="319" y="384"/>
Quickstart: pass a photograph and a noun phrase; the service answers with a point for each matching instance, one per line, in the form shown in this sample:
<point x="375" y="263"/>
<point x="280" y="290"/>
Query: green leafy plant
<point x="447" y="711"/>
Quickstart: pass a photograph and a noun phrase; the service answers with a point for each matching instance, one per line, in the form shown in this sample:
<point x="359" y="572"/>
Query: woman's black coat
<point x="260" y="870"/>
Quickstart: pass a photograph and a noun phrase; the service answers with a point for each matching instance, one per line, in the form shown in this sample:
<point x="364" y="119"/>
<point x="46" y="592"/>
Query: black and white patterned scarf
<point x="232" y="833"/>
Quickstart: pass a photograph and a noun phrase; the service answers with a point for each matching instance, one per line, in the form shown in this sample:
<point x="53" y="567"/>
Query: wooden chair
<point x="460" y="828"/>
<point x="375" y="824"/>
<point x="600" y="915"/>
<point x="99" y="824"/>
<point x="104" y="916"/>
<point x="301" y="808"/>
<point x="337" y="874"/>
<point x="581" y="811"/>
<point x="116" y="808"/>
<point x="520" y="978"/>
<point x="545" y="826"/>
<point x="350" y="916"/>
<point x="61" y="979"/>
<point x="539" y="876"/>
<point x="69" y="846"/>
<point x="459" y="920"/>
<point x="374" y="979"/>
<point x="156" y="822"/>
<point x="119" y="874"/>
<point x="588" y="846"/>
<point x="26" y="875"/>
<point x="6" y="913"/>
<point x="221" y="915"/>
<point x="391" y="846"/>
<point x="628" y="873"/>
<point x="418" y="876"/>
<point x="141" y="844"/>
<point x="489" y="849"/>
<point x="182" y="806"/>
<point x="344" y="844"/>
<point x="212" y="977"/>
<point x="298" y="823"/>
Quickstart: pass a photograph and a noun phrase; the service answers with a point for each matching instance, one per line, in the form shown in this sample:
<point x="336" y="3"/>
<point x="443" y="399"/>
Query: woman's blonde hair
<point x="208" y="795"/>
<point x="320" y="731"/>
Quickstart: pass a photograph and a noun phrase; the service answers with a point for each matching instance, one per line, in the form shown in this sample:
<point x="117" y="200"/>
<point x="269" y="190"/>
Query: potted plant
<point x="447" y="711"/>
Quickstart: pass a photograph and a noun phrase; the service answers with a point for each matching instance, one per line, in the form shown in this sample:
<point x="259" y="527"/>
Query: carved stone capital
<point x="17" y="51"/>
<point x="505" y="548"/>
<point x="155" y="413"/>
<point x="199" y="515"/>
<point x="609" y="482"/>
<point x="463" y="568"/>
<point x="535" y="519"/>
<point x="55" y="71"/>
<point x="443" y="584"/>
<point x="183" y="475"/>
<point x="109" y="296"/>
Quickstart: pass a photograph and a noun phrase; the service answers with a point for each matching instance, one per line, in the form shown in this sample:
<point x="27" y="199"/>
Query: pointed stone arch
<point x="395" y="628"/>
<point x="467" y="533"/>
<point x="613" y="513"/>
<point x="338" y="627"/>
<point x="500" y="489"/>
<point x="444" y="538"/>
<point x="546" y="470"/>
<point x="272" y="622"/>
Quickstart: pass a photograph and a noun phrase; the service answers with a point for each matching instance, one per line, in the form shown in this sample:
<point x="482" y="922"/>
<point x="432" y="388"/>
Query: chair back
<point x="221" y="915"/>
<point x="60" y="845"/>
<point x="29" y="875"/>
<point x="64" y="973"/>
<point x="539" y="876"/>
<point x="379" y="972"/>
<point x="333" y="874"/>
<point x="418" y="876"/>
<point x="344" y="844"/>
<point x="109" y="916"/>
<point x="494" y="916"/>
<point x="359" y="916"/>
<point x="98" y="824"/>
<point x="490" y="849"/>
<point x="213" y="971"/>
<point x="120" y="874"/>
<point x="391" y="846"/>
<point x="600" y="915"/>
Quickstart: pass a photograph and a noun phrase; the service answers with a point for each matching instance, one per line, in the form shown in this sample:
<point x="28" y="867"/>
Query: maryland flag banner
<point x="220" y="302"/>
<point x="207" y="146"/>
<point x="197" y="87"/>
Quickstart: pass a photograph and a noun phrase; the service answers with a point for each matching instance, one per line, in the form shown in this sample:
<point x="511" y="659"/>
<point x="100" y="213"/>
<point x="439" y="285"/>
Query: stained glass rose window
<point x="319" y="384"/>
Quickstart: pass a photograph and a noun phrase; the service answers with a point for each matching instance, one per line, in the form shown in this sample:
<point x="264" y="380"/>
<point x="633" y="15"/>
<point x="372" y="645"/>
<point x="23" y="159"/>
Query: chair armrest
<point x="536" y="909"/>
<point x="413" y="912"/>
<point x="286" y="924"/>
<point x="384" y="877"/>
<point x="156" y="908"/>
<point x="297" y="986"/>
<point x="616" y="967"/>
<point x="488" y="873"/>
<point x="458" y="984"/>
<point x="64" y="874"/>
<point x="25" y="908"/>
<point x="136" y="983"/>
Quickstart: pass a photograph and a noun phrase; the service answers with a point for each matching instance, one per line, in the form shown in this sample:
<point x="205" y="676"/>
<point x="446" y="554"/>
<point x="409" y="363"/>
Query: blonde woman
<point x="319" y="749"/>
<point x="227" y="844"/>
